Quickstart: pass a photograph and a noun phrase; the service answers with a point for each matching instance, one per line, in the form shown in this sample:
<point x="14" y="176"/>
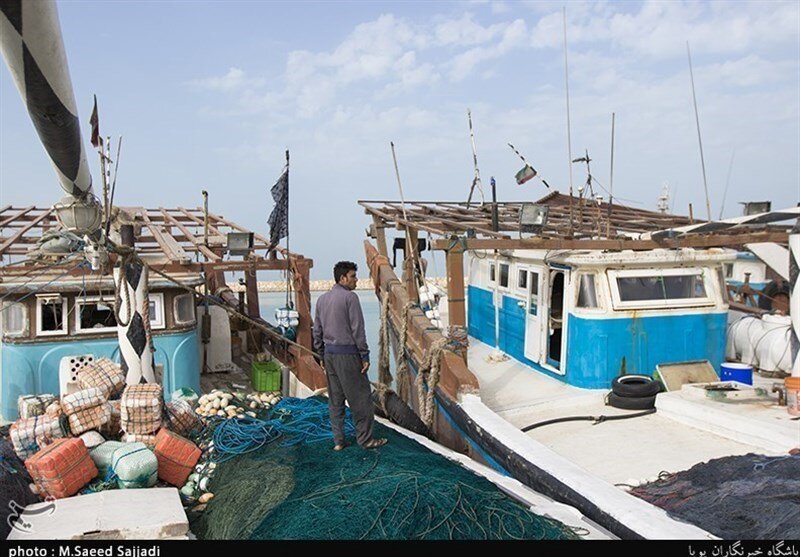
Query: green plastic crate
<point x="266" y="376"/>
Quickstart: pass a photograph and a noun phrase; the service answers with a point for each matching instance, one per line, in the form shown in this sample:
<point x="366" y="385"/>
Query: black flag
<point x="94" y="121"/>
<point x="279" y="218"/>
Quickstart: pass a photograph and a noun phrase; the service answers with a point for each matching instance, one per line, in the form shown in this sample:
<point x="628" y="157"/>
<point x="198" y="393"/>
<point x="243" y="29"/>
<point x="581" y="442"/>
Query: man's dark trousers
<point x="345" y="381"/>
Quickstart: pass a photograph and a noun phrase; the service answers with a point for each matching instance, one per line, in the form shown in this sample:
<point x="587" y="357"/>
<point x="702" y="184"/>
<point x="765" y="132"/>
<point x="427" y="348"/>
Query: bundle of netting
<point x="306" y="420"/>
<point x="302" y="489"/>
<point x="752" y="497"/>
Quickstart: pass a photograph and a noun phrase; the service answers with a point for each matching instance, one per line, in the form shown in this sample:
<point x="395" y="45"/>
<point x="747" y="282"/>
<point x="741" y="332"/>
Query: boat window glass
<point x="157" y="310"/>
<point x="587" y="293"/>
<point x="723" y="285"/>
<point x="491" y="272"/>
<point x="95" y="316"/>
<point x="659" y="287"/>
<point x="184" y="309"/>
<point x="51" y="318"/>
<point x="728" y="270"/>
<point x="522" y="279"/>
<point x="533" y="307"/>
<point x="504" y="275"/>
<point x="14" y="318"/>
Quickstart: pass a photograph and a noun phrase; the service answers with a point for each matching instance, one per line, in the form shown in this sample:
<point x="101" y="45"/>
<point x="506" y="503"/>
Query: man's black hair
<point x="342" y="268"/>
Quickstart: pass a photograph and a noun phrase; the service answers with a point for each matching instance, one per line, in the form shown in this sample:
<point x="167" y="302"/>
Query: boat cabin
<point x="587" y="316"/>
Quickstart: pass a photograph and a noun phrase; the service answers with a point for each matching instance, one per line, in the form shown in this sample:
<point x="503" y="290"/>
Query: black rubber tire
<point x="771" y="290"/>
<point x="635" y="386"/>
<point x="400" y="413"/>
<point x="631" y="403"/>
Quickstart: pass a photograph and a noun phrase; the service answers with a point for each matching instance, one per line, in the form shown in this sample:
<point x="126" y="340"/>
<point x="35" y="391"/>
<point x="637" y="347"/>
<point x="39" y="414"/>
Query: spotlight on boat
<point x="532" y="218"/>
<point x="240" y="243"/>
<point x="80" y="216"/>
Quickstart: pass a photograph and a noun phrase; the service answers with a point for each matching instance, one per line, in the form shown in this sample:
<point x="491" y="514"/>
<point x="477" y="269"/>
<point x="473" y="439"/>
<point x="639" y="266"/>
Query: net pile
<point x="298" y="488"/>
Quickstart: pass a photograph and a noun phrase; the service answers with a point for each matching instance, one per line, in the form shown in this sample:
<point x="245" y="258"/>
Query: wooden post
<point x="691" y="214"/>
<point x="409" y="271"/>
<point x="380" y="235"/>
<point x="455" y="286"/>
<point x="303" y="299"/>
<point x="251" y="287"/>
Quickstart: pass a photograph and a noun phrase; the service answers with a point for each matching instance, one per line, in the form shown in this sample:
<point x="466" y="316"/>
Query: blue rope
<point x="759" y="466"/>
<point x="307" y="420"/>
<point x="238" y="436"/>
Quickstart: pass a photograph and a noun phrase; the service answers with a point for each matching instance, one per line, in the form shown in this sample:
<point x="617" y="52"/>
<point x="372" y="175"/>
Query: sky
<point x="209" y="95"/>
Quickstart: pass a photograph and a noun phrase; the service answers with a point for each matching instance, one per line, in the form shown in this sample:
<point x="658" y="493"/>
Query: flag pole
<point x="288" y="253"/>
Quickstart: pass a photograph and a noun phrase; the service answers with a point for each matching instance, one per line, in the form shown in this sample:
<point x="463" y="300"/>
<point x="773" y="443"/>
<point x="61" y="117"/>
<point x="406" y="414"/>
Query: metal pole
<point x="699" y="139"/>
<point x="569" y="136"/>
<point x="611" y="178"/>
<point x="495" y="220"/>
<point x="205" y="218"/>
<point x="794" y="296"/>
<point x="288" y="253"/>
<point x="476" y="181"/>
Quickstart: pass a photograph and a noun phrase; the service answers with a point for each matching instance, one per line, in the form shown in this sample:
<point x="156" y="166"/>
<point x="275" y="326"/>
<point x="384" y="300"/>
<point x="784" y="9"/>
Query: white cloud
<point x="234" y="80"/>
<point x="514" y="35"/>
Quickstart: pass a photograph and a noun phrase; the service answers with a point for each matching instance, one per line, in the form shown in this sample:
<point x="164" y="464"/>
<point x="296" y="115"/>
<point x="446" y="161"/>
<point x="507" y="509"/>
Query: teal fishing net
<point x="297" y="487"/>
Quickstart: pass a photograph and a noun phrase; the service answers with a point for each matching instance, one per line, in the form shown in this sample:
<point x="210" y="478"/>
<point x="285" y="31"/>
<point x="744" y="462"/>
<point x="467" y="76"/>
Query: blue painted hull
<point x="597" y="347"/>
<point x="33" y="368"/>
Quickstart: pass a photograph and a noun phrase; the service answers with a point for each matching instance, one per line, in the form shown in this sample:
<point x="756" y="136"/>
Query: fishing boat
<point x="87" y="279"/>
<point x="560" y="314"/>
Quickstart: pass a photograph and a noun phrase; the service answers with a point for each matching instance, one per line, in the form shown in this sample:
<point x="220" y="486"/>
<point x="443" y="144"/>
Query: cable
<point x="595" y="419"/>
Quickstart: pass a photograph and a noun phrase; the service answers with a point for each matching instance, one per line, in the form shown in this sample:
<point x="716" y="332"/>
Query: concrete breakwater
<point x="322" y="285"/>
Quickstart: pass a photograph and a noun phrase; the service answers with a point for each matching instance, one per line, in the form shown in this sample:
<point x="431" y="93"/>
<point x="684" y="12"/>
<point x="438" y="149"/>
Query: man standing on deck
<point x="341" y="342"/>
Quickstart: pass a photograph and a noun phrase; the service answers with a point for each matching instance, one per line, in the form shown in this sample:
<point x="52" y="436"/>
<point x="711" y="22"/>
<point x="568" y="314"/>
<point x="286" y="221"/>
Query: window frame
<point x="161" y="323"/>
<point x="175" y="300"/>
<point x="522" y="289"/>
<point x="613" y="275"/>
<point x="598" y="287"/>
<point x="40" y="300"/>
<point x="25" y="319"/>
<point x="80" y="300"/>
<point x="500" y="286"/>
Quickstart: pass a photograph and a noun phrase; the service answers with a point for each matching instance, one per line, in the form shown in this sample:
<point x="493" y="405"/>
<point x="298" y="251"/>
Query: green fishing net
<point x="400" y="491"/>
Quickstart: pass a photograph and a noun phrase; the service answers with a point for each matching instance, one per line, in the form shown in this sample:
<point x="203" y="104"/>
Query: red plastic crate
<point x="62" y="468"/>
<point x="176" y="457"/>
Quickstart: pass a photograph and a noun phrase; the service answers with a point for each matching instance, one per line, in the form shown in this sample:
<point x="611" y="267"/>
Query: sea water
<point x="270" y="301"/>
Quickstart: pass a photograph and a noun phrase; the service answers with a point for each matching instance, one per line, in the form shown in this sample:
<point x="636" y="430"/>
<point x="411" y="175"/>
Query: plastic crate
<point x="266" y="376"/>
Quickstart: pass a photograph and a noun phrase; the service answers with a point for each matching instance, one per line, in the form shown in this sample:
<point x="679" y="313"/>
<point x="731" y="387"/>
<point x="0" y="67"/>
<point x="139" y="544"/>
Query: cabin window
<point x="51" y="317"/>
<point x="503" y="275"/>
<point x="157" y="311"/>
<point x="587" y="292"/>
<point x="94" y="316"/>
<point x="533" y="306"/>
<point x="666" y="288"/>
<point x="728" y="270"/>
<point x="184" y="309"/>
<point x="492" y="273"/>
<point x="15" y="317"/>
<point x="522" y="280"/>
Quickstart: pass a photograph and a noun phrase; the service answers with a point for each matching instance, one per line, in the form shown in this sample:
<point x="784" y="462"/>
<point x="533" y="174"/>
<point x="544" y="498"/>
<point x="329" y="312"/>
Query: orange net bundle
<point x="89" y="419"/>
<point x="141" y="408"/>
<point x="176" y="457"/>
<point x="82" y="400"/>
<point x="112" y="428"/>
<point x="105" y="375"/>
<point x="62" y="468"/>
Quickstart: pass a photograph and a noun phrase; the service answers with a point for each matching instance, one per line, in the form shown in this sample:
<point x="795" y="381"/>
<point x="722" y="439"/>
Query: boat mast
<point x="569" y="136"/>
<point x="699" y="138"/>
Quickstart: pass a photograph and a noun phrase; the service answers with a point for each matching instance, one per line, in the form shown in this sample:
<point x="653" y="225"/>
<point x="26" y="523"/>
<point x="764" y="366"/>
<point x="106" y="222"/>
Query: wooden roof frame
<point x="572" y="224"/>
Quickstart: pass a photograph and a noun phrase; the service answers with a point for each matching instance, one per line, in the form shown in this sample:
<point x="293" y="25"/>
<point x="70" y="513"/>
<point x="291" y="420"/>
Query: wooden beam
<point x="302" y="287"/>
<point x="410" y="263"/>
<point x="380" y="235"/>
<point x="456" y="307"/>
<point x="23" y="212"/>
<point x="251" y="289"/>
<point x="197" y="243"/>
<point x="688" y="241"/>
<point x="5" y="245"/>
<point x="172" y="250"/>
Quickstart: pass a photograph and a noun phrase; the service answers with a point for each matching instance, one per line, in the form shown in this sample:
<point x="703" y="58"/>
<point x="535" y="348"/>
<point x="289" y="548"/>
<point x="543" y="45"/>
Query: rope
<point x="384" y="374"/>
<point x="403" y="376"/>
<point x="429" y="367"/>
<point x="239" y="436"/>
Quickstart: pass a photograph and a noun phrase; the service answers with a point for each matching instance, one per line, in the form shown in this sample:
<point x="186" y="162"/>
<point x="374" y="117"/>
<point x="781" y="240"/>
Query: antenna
<point x="699" y="138"/>
<point x="611" y="178"/>
<point x="569" y="136"/>
<point x="476" y="181"/>
<point x="727" y="183"/>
